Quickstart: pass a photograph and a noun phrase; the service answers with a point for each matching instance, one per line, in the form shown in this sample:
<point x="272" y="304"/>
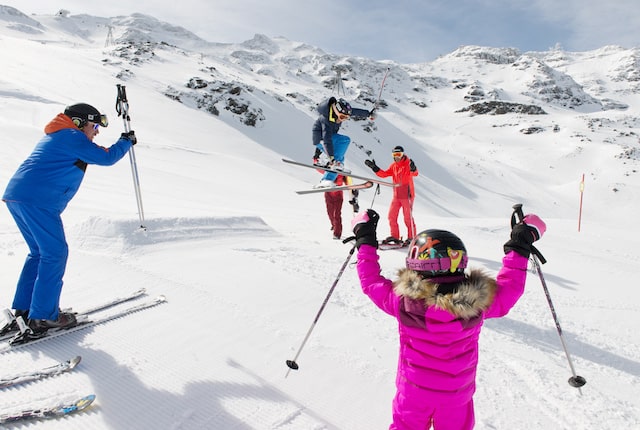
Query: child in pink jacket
<point x="440" y="309"/>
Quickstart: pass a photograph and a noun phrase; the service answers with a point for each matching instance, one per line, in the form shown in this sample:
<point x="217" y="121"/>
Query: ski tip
<point x="74" y="361"/>
<point x="161" y="299"/>
<point x="85" y="402"/>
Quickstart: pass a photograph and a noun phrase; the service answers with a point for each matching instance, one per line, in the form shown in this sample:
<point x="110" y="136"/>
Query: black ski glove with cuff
<point x="364" y="227"/>
<point x="523" y="234"/>
<point x="131" y="136"/>
<point x="372" y="165"/>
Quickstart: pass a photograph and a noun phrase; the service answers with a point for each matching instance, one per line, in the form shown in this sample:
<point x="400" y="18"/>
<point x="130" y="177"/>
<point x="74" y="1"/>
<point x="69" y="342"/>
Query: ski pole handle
<point x="518" y="216"/>
<point x="122" y="93"/>
<point x="122" y="106"/>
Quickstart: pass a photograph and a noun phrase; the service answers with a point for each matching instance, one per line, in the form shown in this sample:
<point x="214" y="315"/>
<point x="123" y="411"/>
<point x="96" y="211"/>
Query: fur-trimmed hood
<point x="474" y="294"/>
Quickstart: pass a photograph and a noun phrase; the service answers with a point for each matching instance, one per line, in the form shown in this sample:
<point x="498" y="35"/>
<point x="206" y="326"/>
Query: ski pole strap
<point x="516" y="217"/>
<point x="122" y="105"/>
<point x="122" y="92"/>
<point x="349" y="239"/>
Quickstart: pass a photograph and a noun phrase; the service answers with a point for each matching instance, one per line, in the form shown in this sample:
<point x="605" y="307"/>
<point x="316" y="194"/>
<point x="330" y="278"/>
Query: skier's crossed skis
<point x="362" y="186"/>
<point x="369" y="182"/>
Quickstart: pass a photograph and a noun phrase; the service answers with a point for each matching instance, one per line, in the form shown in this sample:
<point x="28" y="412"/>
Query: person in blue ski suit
<point x="325" y="137"/>
<point x="36" y="196"/>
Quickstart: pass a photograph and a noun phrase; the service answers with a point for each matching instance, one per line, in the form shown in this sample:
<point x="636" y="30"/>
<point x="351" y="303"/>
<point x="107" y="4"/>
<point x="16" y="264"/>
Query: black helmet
<point x="437" y="253"/>
<point x="80" y="113"/>
<point x="343" y="107"/>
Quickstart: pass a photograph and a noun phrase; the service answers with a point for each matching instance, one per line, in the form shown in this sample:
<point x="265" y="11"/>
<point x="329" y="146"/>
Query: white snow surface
<point x="245" y="263"/>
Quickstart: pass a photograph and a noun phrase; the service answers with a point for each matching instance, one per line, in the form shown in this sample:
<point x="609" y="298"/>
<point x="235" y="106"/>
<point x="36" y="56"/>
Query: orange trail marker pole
<point x="581" y="194"/>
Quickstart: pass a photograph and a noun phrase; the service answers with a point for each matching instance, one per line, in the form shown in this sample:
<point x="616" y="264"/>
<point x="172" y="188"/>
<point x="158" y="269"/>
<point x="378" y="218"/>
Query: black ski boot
<point x="12" y="325"/>
<point x="36" y="328"/>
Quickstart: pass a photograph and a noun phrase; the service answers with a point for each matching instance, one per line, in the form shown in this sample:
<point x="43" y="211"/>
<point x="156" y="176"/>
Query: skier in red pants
<point x="333" y="200"/>
<point x="402" y="170"/>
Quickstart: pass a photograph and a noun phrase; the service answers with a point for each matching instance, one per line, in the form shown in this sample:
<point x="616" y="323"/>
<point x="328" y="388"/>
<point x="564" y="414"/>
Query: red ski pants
<point x="334" y="199"/>
<point x="407" y="212"/>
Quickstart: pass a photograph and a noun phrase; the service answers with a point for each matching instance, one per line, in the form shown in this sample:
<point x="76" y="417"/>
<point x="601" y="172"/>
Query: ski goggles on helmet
<point x="343" y="107"/>
<point x="100" y="120"/>
<point x="397" y="154"/>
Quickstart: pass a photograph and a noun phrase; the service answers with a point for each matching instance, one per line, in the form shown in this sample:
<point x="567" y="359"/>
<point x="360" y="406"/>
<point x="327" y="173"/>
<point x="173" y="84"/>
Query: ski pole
<point x="122" y="108"/>
<point x="375" y="194"/>
<point x="292" y="364"/>
<point x="575" y="380"/>
<point x="381" y="88"/>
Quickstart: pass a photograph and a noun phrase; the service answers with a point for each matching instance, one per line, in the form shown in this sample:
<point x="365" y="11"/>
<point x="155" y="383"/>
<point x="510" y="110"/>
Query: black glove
<point x="364" y="227"/>
<point x="523" y="235"/>
<point x="131" y="136"/>
<point x="372" y="165"/>
<point x="355" y="193"/>
<point x="317" y="154"/>
<point x="372" y="114"/>
<point x="412" y="166"/>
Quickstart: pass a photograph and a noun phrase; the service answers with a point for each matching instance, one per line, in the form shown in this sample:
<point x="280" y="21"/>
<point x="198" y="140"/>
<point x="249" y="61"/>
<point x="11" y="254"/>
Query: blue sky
<point x="406" y="31"/>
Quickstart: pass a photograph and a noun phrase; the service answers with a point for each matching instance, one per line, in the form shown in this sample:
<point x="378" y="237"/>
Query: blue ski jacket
<point x="326" y="125"/>
<point x="52" y="174"/>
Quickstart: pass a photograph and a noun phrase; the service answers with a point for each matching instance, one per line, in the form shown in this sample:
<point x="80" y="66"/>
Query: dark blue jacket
<point x="51" y="175"/>
<point x="326" y="126"/>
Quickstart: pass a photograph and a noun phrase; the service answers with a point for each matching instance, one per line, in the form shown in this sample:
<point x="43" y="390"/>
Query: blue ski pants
<point x="40" y="281"/>
<point x="340" y="146"/>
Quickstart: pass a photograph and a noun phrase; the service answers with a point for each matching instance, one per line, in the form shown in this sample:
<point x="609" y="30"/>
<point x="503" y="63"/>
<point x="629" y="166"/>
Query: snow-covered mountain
<point x="565" y="102"/>
<point x="245" y="263"/>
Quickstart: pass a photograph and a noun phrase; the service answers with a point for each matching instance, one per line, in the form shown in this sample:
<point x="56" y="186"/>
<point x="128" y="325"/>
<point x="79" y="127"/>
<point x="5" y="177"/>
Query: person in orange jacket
<point x="402" y="170"/>
<point x="36" y="195"/>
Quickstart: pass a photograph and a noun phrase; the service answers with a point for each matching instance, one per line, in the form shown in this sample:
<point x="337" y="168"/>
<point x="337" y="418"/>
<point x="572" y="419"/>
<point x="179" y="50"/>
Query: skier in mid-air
<point x="331" y="146"/>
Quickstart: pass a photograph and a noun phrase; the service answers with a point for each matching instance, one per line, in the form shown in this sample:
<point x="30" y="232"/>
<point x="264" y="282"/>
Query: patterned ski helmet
<point x="80" y="113"/>
<point x="343" y="107"/>
<point x="437" y="253"/>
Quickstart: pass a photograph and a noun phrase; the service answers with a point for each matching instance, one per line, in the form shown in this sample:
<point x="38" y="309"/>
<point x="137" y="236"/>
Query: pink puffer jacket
<point x="439" y="333"/>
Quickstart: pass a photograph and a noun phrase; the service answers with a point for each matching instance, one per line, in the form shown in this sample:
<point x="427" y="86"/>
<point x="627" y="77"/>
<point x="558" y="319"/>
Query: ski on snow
<point x="84" y="322"/>
<point x="9" y="317"/>
<point x="386" y="245"/>
<point x="362" y="186"/>
<point x="35" y="375"/>
<point x="48" y="412"/>
<point x="390" y="246"/>
<point x="326" y="169"/>
<point x="139" y="293"/>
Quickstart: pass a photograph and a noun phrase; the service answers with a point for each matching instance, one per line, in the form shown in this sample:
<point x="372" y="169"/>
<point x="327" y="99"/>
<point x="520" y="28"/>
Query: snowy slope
<point x="245" y="263"/>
